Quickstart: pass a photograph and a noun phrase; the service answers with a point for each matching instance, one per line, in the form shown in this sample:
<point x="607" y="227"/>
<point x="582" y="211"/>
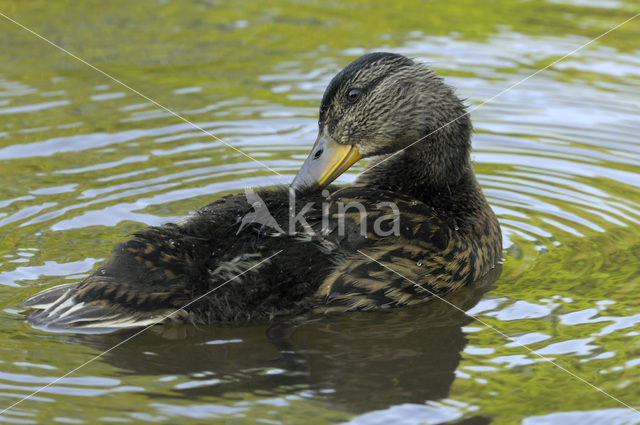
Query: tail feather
<point x="48" y="297"/>
<point x="56" y="309"/>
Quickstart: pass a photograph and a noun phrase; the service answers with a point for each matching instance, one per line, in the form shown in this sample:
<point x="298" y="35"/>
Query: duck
<point x="414" y="225"/>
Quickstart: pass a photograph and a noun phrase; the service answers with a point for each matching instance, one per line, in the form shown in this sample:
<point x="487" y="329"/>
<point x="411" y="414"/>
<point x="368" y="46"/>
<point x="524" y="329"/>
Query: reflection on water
<point x="337" y="358"/>
<point x="84" y="162"/>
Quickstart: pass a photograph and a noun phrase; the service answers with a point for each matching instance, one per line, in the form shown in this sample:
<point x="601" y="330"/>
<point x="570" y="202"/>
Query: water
<point x="84" y="162"/>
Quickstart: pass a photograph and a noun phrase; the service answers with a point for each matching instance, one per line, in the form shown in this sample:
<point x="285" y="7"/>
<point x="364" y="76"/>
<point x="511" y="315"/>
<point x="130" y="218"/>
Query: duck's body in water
<point x="413" y="225"/>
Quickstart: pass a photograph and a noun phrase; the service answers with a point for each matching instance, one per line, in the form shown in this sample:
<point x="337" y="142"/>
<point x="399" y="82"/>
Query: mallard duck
<point x="414" y="225"/>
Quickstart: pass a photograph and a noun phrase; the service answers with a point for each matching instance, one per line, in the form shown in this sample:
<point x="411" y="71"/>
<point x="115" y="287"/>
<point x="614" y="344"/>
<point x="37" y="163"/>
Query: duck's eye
<point x="353" y="95"/>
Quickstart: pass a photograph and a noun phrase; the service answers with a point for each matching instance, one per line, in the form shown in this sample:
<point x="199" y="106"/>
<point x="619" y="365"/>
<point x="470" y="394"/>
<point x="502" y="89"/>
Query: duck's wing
<point x="404" y="254"/>
<point x="388" y="276"/>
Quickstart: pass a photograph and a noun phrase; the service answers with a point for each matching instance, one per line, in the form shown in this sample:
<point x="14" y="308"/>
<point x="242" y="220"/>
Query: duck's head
<point x="388" y="104"/>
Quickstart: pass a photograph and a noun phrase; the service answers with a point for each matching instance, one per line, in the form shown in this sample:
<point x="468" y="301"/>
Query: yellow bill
<point x="327" y="160"/>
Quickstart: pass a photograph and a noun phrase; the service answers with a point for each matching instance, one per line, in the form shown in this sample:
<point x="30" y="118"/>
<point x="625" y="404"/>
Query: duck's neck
<point x="449" y="188"/>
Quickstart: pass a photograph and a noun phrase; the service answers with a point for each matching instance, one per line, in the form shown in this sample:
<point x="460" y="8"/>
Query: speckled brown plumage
<point x="447" y="234"/>
<point x="434" y="253"/>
